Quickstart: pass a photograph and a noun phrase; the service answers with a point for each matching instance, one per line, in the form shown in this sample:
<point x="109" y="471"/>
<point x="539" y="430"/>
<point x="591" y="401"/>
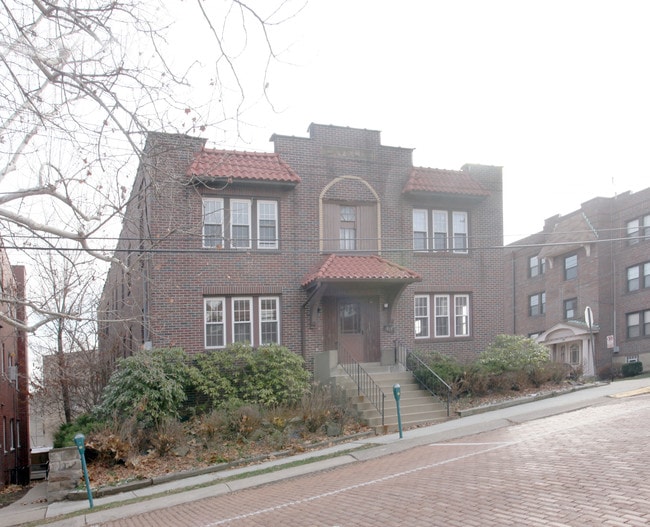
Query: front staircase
<point x="417" y="405"/>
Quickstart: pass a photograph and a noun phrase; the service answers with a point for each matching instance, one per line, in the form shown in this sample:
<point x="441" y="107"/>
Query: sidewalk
<point x="33" y="509"/>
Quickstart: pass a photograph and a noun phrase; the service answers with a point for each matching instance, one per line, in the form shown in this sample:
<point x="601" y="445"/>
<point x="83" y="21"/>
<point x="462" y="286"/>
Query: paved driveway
<point x="581" y="468"/>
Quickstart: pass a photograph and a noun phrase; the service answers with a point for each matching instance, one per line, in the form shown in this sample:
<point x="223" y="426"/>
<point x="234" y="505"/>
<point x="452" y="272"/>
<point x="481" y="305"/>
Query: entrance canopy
<point x="337" y="271"/>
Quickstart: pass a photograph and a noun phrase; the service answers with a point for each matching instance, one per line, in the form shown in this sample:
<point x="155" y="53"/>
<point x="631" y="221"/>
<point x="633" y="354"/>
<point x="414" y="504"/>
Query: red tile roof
<point x="443" y="182"/>
<point x="372" y="267"/>
<point x="251" y="166"/>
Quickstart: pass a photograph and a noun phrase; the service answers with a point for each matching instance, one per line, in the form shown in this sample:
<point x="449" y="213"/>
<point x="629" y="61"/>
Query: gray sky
<point x="556" y="92"/>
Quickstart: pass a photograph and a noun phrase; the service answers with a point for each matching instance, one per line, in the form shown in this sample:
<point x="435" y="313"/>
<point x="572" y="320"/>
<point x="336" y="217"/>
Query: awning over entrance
<point x="338" y="270"/>
<point x="573" y="331"/>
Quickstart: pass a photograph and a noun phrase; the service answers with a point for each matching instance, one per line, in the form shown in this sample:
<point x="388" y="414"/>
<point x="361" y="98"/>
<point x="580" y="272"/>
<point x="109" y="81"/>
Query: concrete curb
<point x="526" y="399"/>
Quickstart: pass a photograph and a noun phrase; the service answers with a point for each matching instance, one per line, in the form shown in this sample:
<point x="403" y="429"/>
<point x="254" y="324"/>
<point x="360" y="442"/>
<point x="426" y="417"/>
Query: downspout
<point x="514" y="295"/>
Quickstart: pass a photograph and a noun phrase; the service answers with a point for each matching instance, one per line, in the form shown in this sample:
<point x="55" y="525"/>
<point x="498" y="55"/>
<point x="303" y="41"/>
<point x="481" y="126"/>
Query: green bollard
<point x="396" y="393"/>
<point x="79" y="441"/>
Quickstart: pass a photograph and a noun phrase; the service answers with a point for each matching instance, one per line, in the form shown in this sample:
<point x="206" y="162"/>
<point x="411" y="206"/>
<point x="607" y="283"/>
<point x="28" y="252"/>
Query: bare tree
<point x="72" y="374"/>
<point x="84" y="80"/>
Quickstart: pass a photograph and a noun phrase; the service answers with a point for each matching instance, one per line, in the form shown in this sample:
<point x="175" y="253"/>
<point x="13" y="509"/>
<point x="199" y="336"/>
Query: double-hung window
<point x="537" y="304"/>
<point x="348" y="228"/>
<point x="536" y="266"/>
<point x="420" y="230"/>
<point x="252" y="320"/>
<point x="242" y="320"/>
<point x="421" y="307"/>
<point x="213" y="222"/>
<point x="460" y="231"/>
<point x="240" y="223"/>
<point x="441" y="315"/>
<point x="431" y="230"/>
<point x="570" y="308"/>
<point x="269" y="320"/>
<point x="215" y="335"/>
<point x="638" y="277"/>
<point x="638" y="229"/>
<point x="638" y="324"/>
<point x="571" y="267"/>
<point x="267" y="224"/>
<point x="461" y="315"/>
<point x="230" y="223"/>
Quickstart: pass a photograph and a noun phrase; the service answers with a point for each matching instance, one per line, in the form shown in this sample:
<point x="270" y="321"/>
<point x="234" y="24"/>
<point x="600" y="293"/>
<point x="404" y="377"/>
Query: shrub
<point x="269" y="375"/>
<point x="514" y="352"/>
<point x="84" y="424"/>
<point x="149" y="385"/>
<point x="630" y="369"/>
<point x="448" y="369"/>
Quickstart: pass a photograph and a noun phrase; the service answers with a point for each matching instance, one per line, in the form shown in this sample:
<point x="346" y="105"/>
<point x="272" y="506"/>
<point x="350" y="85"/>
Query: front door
<point x="358" y="328"/>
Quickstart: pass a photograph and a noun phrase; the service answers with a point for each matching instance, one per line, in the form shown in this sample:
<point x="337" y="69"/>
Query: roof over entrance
<point x="339" y="268"/>
<point x="336" y="269"/>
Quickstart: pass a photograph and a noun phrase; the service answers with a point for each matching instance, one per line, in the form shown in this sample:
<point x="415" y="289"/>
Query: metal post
<point x="79" y="441"/>
<point x="396" y="393"/>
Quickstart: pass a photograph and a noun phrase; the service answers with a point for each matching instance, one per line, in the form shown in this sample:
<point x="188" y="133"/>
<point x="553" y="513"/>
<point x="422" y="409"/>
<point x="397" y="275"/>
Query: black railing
<point x="430" y="380"/>
<point x="365" y="385"/>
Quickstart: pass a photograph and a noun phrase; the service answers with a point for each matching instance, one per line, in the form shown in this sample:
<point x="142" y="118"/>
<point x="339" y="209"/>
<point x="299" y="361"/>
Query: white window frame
<point x="420" y="226"/>
<point x="263" y="320"/>
<point x="264" y="216"/>
<point x="237" y="323"/>
<point x="437" y="216"/>
<point x="460" y="231"/>
<point x="461" y="316"/>
<point x="216" y="217"/>
<point x="440" y="302"/>
<point x="221" y="323"/>
<point x="236" y="218"/>
<point x="421" y="314"/>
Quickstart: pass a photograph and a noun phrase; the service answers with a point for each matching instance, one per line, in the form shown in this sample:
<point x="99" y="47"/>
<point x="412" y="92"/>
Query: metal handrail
<point x="402" y="354"/>
<point x="364" y="382"/>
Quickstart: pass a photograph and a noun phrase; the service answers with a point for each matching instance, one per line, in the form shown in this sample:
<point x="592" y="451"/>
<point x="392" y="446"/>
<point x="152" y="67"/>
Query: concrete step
<point x="417" y="406"/>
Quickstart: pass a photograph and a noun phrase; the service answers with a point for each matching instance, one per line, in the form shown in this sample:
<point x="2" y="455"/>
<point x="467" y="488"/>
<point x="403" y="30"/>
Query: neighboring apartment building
<point x="597" y="257"/>
<point x="333" y="241"/>
<point x="14" y="390"/>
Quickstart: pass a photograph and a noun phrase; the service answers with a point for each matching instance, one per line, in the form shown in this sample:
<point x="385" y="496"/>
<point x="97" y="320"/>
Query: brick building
<point x="333" y="241"/>
<point x="14" y="381"/>
<point x="596" y="257"/>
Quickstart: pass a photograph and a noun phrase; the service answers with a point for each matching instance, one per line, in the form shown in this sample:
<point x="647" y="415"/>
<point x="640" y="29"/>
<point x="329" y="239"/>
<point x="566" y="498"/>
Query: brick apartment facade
<point x="596" y="257"/>
<point x="14" y="387"/>
<point x="333" y="241"/>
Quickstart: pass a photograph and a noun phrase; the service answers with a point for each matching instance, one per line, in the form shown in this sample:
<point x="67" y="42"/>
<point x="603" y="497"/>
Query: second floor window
<point x="570" y="308"/>
<point x="348" y="228"/>
<point x="431" y="230"/>
<point x="228" y="223"/>
<point x="537" y="304"/>
<point x="638" y="229"/>
<point x="571" y="267"/>
<point x="638" y="277"/>
<point x="536" y="266"/>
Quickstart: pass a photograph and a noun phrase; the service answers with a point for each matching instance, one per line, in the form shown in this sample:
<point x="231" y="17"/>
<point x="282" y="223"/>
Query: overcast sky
<point x="555" y="92"/>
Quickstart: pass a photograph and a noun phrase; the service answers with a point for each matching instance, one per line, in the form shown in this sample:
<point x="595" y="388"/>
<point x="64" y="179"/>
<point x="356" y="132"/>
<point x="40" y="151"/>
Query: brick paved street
<point x="582" y="468"/>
